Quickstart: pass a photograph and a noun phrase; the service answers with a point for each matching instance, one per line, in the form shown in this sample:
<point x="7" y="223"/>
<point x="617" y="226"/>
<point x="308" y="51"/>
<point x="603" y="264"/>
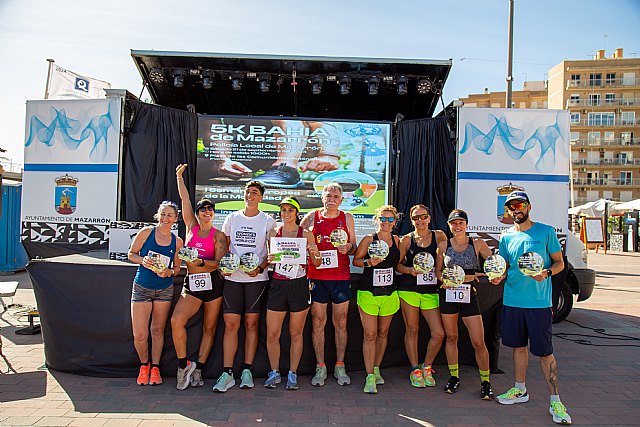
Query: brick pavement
<point x="599" y="385"/>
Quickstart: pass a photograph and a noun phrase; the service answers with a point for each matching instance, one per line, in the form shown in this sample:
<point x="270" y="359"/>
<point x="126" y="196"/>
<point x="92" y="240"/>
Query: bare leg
<point x="339" y="317"/>
<point x="140" y="314"/>
<point x="370" y="332"/>
<point x="274" y="329"/>
<point x="230" y="341"/>
<point x="319" y="321"/>
<point x="251" y="321"/>
<point x="520" y="363"/>
<point x="450" y="322"/>
<point x="296" y="327"/>
<point x="185" y="309"/>
<point x="381" y="341"/>
<point x="159" y="316"/>
<point x="476" y="333"/>
<point x="434" y="320"/>
<point x="209" y="325"/>
<point x="550" y="372"/>
<point x="411" y="317"/>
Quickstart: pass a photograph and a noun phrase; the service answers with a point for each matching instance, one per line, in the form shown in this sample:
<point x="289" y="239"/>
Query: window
<point x="626" y="178"/>
<point x="626" y="196"/>
<point x="522" y="104"/>
<point x="575" y="100"/>
<point x="534" y="104"/>
<point x="594" y="138"/>
<point x="575" y="80"/>
<point x="628" y="118"/>
<point x="626" y="138"/>
<point x="601" y="119"/>
<point x="609" y="98"/>
<point x="575" y="136"/>
<point x="607" y="194"/>
<point x="593" y="195"/>
<point x="594" y="99"/>
<point x="595" y="79"/>
<point x="575" y="118"/>
<point x="609" y="136"/>
<point x="610" y="78"/>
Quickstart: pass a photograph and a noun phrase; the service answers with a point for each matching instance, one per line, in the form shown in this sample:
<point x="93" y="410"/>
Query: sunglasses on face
<point x="421" y="216"/>
<point x="206" y="208"/>
<point x="388" y="219"/>
<point x="517" y="206"/>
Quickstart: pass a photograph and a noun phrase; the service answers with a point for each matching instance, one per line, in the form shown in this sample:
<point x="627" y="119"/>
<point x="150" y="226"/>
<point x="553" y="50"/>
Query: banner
<point x="65" y="84"/>
<point x="70" y="178"/>
<point x="502" y="150"/>
<point x="293" y="157"/>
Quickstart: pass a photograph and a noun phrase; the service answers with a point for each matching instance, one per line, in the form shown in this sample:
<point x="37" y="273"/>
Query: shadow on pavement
<point x="22" y="386"/>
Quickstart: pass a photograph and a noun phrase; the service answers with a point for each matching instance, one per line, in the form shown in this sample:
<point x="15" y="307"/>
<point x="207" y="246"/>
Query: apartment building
<point x="603" y="97"/>
<point x="532" y="95"/>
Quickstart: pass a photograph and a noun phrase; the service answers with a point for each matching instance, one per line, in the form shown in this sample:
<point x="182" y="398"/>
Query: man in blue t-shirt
<point x="527" y="312"/>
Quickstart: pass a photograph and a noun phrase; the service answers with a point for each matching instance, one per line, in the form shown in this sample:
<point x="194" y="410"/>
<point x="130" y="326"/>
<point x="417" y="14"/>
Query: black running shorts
<point x="465" y="309"/>
<point x="239" y="298"/>
<point x="289" y="295"/>
<point x="210" y="295"/>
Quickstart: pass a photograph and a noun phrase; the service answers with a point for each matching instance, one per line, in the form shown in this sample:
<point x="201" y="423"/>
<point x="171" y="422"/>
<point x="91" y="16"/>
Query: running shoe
<point x="486" y="392"/>
<point x="143" y="375"/>
<point x="379" y="379"/>
<point x="452" y="385"/>
<point x="340" y="373"/>
<point x="292" y="381"/>
<point x="320" y="376"/>
<point x="246" y="379"/>
<point x="416" y="378"/>
<point x="281" y="176"/>
<point x="513" y="395"/>
<point x="559" y="413"/>
<point x="427" y="374"/>
<point x="196" y="378"/>
<point x="273" y="379"/>
<point x="370" y="384"/>
<point x="184" y="375"/>
<point x="224" y="383"/>
<point x="154" y="376"/>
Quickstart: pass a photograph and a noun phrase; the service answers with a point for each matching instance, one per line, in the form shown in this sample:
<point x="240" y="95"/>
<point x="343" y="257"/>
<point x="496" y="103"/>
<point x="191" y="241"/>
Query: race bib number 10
<point x="329" y="259"/>
<point x="460" y="293"/>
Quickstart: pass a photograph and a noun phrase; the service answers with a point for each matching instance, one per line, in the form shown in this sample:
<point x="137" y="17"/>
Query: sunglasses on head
<point x="206" y="208"/>
<point x="517" y="206"/>
<point x="386" y="219"/>
<point x="170" y="203"/>
<point x="420" y="216"/>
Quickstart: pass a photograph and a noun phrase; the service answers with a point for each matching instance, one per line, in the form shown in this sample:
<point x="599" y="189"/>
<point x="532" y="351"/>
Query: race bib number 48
<point x="329" y="259"/>
<point x="382" y="276"/>
<point x="200" y="282"/>
<point x="460" y="293"/>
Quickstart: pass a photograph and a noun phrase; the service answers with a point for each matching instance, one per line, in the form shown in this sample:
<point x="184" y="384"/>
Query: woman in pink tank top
<point x="202" y="285"/>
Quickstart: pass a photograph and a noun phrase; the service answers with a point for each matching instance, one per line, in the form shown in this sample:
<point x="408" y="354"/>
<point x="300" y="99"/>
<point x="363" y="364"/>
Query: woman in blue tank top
<point x="155" y="249"/>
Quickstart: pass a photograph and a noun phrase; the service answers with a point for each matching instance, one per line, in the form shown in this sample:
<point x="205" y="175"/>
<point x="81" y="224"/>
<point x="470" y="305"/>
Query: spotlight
<point x="373" y="85"/>
<point x="345" y="83"/>
<point x="156" y="75"/>
<point x="207" y="79"/>
<point x="264" y="81"/>
<point x="178" y="77"/>
<point x="402" y="85"/>
<point x="236" y="80"/>
<point x="316" y="85"/>
<point x="424" y="86"/>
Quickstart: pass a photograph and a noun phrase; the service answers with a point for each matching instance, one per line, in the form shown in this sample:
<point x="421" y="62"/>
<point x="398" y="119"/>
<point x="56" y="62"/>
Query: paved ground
<point x="599" y="384"/>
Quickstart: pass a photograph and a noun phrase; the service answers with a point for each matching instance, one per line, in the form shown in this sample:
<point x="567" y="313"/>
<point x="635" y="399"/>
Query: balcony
<point x="607" y="182"/>
<point x="601" y="122"/>
<point x="602" y="83"/>
<point x="606" y="162"/>
<point x="608" y="143"/>
<point x="624" y="102"/>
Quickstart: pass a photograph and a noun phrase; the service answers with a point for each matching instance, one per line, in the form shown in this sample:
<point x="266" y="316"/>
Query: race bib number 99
<point x="329" y="259"/>
<point x="460" y="293"/>
<point x="200" y="282"/>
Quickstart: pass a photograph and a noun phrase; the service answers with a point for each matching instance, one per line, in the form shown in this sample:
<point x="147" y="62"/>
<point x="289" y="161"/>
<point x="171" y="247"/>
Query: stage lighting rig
<point x="402" y="85"/>
<point x="345" y="84"/>
<point x="264" y="81"/>
<point x="316" y="85"/>
<point x="207" y="79"/>
<point x="236" y="80"/>
<point x="178" y="77"/>
<point x="156" y="75"/>
<point x="372" y="83"/>
<point x="424" y="86"/>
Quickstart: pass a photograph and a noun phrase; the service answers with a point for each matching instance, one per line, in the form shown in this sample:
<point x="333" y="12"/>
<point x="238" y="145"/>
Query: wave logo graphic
<point x="514" y="142"/>
<point x="72" y="132"/>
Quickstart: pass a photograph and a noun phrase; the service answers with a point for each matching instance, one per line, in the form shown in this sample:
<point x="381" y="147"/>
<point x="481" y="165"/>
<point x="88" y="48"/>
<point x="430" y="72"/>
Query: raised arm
<point x="188" y="215"/>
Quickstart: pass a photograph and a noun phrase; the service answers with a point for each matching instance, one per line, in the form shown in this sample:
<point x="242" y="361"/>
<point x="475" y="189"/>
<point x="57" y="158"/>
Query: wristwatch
<point x="260" y="269"/>
<point x="549" y="272"/>
<point x="201" y="263"/>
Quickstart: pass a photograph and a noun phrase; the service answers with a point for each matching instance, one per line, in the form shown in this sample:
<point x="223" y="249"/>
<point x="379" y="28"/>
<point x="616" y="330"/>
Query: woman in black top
<point x="377" y="296"/>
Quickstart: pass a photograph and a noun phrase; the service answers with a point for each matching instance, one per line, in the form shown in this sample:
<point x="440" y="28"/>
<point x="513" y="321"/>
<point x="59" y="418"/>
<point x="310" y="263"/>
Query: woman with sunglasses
<point x="202" y="285"/>
<point x="289" y="292"/>
<point x="156" y="250"/>
<point x="377" y="296"/>
<point x="419" y="295"/>
<point x="463" y="251"/>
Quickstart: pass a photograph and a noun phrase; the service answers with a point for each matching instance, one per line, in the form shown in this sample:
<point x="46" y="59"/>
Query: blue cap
<point x="517" y="195"/>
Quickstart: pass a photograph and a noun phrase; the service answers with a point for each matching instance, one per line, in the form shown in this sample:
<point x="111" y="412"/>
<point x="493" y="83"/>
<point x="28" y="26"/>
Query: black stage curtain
<point x="157" y="139"/>
<point x="425" y="170"/>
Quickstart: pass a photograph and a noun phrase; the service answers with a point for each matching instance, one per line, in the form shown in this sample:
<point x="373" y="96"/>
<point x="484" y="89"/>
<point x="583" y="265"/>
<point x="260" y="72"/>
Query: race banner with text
<point x="293" y="157"/>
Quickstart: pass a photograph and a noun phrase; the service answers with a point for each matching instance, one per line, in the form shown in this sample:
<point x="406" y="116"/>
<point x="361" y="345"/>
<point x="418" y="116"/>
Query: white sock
<point x="521" y="386"/>
<point x="554" y="398"/>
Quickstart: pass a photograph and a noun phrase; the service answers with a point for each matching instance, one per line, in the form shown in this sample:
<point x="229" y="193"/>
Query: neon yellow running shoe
<point x="559" y="413"/>
<point x="379" y="379"/>
<point x="427" y="374"/>
<point x="370" y="384"/>
<point x="513" y="395"/>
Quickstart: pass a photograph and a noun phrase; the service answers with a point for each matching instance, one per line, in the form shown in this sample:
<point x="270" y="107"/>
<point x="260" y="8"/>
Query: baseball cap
<point x="290" y="201"/>
<point x="458" y="214"/>
<point x="517" y="195"/>
<point x="204" y="202"/>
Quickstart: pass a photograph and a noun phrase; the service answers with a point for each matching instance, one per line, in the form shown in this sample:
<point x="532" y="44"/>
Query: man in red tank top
<point x="330" y="282"/>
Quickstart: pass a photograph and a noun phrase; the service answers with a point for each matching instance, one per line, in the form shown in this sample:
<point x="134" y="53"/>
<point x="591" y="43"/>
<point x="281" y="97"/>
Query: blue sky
<point x="95" y="38"/>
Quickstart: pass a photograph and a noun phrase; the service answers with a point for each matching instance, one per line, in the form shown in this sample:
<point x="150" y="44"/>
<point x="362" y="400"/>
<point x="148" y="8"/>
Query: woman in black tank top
<point x="377" y="297"/>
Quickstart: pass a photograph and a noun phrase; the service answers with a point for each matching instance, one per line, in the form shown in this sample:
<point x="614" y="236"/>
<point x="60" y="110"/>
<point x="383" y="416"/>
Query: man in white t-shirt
<point x="245" y="292"/>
